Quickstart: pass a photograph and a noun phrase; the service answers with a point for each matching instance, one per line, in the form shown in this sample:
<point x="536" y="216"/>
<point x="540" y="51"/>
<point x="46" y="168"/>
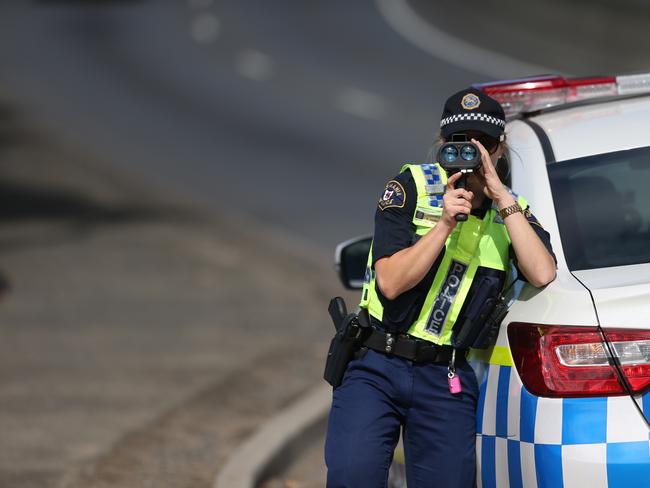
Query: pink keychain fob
<point x="454" y="383"/>
<point x="452" y="378"/>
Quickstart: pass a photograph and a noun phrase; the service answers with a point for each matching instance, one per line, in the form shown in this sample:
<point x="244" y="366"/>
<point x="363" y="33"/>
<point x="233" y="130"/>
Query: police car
<point x="565" y="392"/>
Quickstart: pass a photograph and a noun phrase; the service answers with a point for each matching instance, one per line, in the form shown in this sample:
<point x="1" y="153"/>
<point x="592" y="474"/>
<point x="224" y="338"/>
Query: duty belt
<point x="410" y="348"/>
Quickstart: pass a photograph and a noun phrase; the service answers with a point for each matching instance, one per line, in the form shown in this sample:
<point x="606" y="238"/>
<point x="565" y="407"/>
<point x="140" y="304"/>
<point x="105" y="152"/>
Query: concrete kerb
<point x="268" y="450"/>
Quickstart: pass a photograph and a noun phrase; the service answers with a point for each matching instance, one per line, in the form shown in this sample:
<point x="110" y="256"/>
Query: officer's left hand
<point x="493" y="188"/>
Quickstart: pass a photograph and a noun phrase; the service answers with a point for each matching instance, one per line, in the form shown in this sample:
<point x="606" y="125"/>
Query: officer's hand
<point x="493" y="189"/>
<point x="455" y="201"/>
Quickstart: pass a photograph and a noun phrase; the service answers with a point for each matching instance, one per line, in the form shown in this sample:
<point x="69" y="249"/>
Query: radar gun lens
<point x="450" y="154"/>
<point x="468" y="153"/>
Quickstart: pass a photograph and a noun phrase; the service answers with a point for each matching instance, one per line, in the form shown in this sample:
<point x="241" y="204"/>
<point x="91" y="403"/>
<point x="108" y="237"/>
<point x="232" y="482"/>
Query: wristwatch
<point x="509" y="210"/>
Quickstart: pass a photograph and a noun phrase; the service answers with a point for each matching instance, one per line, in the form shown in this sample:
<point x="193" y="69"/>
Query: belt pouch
<point x="470" y="326"/>
<point x="488" y="334"/>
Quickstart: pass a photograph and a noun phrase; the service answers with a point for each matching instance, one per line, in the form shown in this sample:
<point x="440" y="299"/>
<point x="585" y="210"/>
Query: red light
<point x="537" y="83"/>
<point x="530" y="94"/>
<point x="540" y="353"/>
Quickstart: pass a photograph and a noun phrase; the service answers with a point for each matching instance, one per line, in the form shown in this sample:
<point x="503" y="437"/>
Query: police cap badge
<point x="470" y="101"/>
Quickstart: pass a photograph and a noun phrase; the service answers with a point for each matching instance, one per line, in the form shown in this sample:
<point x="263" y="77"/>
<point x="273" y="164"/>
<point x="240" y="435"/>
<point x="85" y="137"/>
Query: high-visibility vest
<point x="476" y="242"/>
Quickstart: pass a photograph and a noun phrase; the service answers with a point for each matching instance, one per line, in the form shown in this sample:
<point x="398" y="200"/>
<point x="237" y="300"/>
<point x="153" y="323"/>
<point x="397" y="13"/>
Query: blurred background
<point x="174" y="177"/>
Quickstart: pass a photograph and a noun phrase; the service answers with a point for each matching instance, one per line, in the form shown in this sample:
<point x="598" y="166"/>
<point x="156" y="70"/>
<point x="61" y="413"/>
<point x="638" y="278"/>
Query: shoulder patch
<point x="394" y="196"/>
<point x="531" y="218"/>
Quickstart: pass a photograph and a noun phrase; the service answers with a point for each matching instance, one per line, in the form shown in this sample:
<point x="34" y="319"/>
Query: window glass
<point x="602" y="204"/>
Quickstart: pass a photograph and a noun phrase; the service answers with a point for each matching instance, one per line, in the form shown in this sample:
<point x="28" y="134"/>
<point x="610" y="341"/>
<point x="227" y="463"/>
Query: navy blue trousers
<point x="382" y="394"/>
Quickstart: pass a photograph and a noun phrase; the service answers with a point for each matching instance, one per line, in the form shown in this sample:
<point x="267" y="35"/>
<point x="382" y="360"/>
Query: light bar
<point x="630" y="84"/>
<point x="530" y="94"/>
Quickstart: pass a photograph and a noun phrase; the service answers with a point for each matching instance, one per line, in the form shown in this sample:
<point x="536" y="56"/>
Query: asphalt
<point x="576" y="37"/>
<point x="307" y="470"/>
<point x="128" y="80"/>
<point x="136" y="349"/>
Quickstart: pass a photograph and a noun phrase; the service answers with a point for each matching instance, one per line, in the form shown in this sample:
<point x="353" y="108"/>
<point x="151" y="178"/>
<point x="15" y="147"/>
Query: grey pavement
<point x="307" y="469"/>
<point x="578" y="37"/>
<point x="127" y="79"/>
<point x="141" y="340"/>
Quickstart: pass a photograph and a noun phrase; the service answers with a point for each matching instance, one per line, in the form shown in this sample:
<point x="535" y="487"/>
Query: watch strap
<point x="510" y="209"/>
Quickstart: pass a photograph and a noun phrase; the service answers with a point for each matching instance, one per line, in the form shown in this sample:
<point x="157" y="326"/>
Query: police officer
<point x="428" y="277"/>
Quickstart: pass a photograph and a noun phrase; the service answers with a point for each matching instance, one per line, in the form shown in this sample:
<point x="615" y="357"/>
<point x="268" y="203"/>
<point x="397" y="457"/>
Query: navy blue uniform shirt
<point x="394" y="231"/>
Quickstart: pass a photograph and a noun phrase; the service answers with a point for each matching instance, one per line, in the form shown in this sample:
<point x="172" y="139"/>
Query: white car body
<point x="530" y="441"/>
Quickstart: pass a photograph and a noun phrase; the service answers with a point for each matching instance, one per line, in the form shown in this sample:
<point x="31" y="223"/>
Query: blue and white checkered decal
<point x="529" y="441"/>
<point x="433" y="181"/>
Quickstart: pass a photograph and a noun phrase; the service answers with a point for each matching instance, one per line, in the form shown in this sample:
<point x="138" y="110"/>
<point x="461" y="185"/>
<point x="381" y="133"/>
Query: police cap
<point x="471" y="109"/>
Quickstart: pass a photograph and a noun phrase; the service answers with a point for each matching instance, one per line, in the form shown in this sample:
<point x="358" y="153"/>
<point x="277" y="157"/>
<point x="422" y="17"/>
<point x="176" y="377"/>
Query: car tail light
<point x="560" y="361"/>
<point x="530" y="94"/>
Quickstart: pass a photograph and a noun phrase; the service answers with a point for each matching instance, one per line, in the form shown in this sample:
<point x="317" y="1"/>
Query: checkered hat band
<point x="473" y="116"/>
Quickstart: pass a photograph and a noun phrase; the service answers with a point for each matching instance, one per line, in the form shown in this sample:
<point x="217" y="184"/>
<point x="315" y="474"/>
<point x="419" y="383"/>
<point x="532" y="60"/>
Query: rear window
<point x="602" y="204"/>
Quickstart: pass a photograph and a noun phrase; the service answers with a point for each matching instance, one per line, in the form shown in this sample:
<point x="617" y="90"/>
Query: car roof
<point x="596" y="127"/>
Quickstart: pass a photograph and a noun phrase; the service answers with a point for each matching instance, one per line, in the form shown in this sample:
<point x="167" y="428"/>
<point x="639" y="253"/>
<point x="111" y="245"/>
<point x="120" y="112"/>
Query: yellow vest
<point x="473" y="243"/>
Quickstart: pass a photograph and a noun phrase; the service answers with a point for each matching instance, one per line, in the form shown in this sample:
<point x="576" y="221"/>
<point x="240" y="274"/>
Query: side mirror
<point x="350" y="261"/>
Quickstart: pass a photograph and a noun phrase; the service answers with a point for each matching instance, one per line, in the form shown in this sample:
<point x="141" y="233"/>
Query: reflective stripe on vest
<point x="473" y="243"/>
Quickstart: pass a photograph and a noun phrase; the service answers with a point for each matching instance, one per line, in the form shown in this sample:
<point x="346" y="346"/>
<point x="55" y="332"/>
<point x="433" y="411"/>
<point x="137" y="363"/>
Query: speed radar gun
<point x="459" y="155"/>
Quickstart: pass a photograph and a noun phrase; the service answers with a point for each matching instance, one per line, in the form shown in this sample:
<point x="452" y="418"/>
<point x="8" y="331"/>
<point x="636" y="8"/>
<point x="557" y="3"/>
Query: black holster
<point x="350" y="334"/>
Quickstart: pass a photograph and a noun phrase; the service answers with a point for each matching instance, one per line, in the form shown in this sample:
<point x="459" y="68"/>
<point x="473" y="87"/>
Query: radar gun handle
<point x="461" y="183"/>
